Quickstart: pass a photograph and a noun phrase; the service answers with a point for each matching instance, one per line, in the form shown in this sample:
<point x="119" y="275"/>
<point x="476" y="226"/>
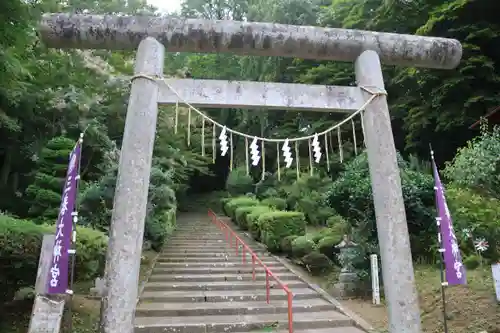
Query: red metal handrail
<point x="230" y="234"/>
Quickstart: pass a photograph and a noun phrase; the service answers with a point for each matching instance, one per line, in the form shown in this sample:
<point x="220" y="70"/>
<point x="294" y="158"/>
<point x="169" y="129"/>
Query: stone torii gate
<point x="151" y="35"/>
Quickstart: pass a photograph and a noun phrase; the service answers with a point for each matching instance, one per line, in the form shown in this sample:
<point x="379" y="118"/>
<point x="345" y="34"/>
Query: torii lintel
<point x="113" y="32"/>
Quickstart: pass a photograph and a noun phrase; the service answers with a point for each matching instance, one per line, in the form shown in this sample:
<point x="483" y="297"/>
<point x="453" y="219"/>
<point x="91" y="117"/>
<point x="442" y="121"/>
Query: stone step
<point x="228" y="308"/>
<point x="243" y="323"/>
<point x="349" y="329"/>
<point x="197" y="253"/>
<point x="219" y="285"/>
<point x="225" y="295"/>
<point x="214" y="264"/>
<point x="217" y="259"/>
<point x="217" y="277"/>
<point x="191" y="269"/>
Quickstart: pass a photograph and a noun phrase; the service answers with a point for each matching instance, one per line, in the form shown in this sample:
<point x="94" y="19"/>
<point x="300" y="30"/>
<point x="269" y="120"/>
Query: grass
<point x="471" y="309"/>
<point x="85" y="314"/>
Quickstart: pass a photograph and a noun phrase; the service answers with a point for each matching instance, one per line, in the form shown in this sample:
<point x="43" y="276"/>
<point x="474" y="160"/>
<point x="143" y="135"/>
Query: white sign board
<point x="495" y="269"/>
<point x="375" y="280"/>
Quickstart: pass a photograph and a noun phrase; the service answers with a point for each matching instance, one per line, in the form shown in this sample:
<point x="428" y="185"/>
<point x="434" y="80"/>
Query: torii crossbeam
<point x="151" y="35"/>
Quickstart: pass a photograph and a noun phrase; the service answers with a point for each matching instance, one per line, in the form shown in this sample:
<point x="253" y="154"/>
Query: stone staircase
<point x="200" y="285"/>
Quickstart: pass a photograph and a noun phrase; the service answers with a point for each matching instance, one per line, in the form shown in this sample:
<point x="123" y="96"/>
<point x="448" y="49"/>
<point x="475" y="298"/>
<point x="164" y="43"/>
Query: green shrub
<point x="316" y="263"/>
<point x="20" y="244"/>
<point x="277" y="225"/>
<point x="240" y="215"/>
<point x="327" y="245"/>
<point x="286" y="244"/>
<point x="252" y="220"/>
<point x="278" y="203"/>
<point x="223" y="203"/>
<point x="159" y="227"/>
<point x="301" y="246"/>
<point x="238" y="182"/>
<point x="472" y="262"/>
<point x="480" y="215"/>
<point x="351" y="196"/>
<point x="232" y="204"/>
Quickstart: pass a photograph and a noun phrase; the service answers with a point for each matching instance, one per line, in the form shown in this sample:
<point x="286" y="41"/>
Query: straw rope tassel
<point x="231" y="156"/>
<point x="326" y="153"/>
<point x="354" y="137"/>
<point x="176" y="117"/>
<point x="214" y="144"/>
<point x="339" y="139"/>
<point x="278" y="160"/>
<point x="297" y="159"/>
<point x="311" y="171"/>
<point x="363" y="127"/>
<point x="246" y="157"/>
<point x="189" y="128"/>
<point x="263" y="149"/>
<point x="202" y="136"/>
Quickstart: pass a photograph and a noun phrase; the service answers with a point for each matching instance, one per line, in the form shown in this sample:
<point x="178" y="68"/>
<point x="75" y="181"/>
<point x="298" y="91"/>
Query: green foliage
<point x="253" y="220"/>
<point x="327" y="245"/>
<point x="301" y="246"/>
<point x="241" y="213"/>
<point x="286" y="244"/>
<point x="316" y="263"/>
<point x="472" y="262"/>
<point x="45" y="192"/>
<point x="277" y="225"/>
<point x="277" y="203"/>
<point x="232" y="204"/>
<point x="351" y="196"/>
<point x="238" y="182"/>
<point x="478" y="164"/>
<point x="20" y="243"/>
<point x="478" y="214"/>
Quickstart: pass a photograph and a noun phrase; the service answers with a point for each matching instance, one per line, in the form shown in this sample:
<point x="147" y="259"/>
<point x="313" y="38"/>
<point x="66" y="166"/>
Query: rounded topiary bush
<point x="277" y="225"/>
<point x="241" y="213"/>
<point x="286" y="244"/>
<point x="252" y="220"/>
<point x="327" y="245"/>
<point x="301" y="246"/>
<point x="316" y="263"/>
<point x="235" y="203"/>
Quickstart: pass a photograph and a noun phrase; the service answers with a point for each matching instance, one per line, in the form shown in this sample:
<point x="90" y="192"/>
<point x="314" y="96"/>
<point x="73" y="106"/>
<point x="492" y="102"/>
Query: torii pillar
<point x="366" y="49"/>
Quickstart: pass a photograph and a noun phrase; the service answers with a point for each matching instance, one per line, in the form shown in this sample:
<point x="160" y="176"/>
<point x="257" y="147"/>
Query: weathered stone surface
<point x="246" y="38"/>
<point x="229" y="301"/>
<point x="260" y="95"/>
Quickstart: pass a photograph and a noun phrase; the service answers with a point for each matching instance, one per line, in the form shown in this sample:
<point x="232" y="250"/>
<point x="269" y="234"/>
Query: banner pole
<point x="441" y="250"/>
<point x="72" y="251"/>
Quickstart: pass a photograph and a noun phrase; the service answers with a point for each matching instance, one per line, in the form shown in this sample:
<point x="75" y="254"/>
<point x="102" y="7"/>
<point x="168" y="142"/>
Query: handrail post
<point x="253" y="266"/>
<point x="290" y="314"/>
<point x="267" y="287"/>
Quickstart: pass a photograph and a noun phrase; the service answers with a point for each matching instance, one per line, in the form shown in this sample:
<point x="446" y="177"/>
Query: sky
<point x="166" y="5"/>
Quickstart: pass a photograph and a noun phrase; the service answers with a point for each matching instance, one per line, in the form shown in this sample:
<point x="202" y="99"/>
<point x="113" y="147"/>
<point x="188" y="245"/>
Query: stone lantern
<point x="348" y="278"/>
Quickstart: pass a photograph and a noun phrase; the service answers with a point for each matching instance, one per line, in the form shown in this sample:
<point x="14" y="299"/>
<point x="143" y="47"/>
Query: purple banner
<point x="59" y="269"/>
<point x="454" y="268"/>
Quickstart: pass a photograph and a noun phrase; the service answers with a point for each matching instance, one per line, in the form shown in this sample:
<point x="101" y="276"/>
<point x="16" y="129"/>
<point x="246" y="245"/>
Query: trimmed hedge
<point x="240" y="215"/>
<point x="20" y="244"/>
<point x="279" y="224"/>
<point x="252" y="220"/>
<point x="232" y="204"/>
<point x="317" y="263"/>
<point x="302" y="245"/>
<point x="277" y="203"/>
